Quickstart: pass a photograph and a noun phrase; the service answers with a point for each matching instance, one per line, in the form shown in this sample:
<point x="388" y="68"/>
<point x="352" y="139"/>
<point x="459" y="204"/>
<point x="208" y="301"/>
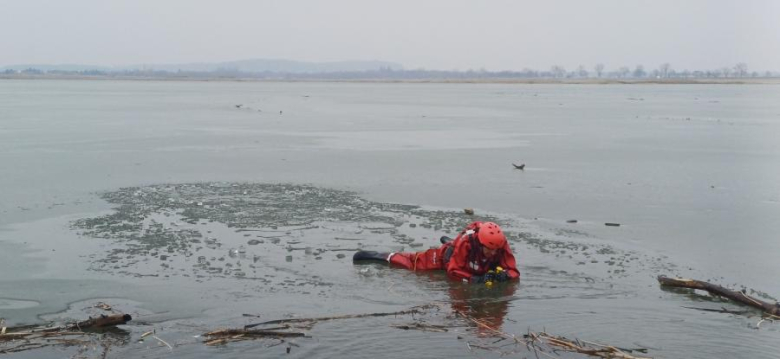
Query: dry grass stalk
<point x="413" y="310"/>
<point x="534" y="341"/>
<point x="592" y="349"/>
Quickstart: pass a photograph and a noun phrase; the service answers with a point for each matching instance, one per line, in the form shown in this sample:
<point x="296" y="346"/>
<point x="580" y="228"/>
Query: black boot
<point x="444" y="239"/>
<point x="370" y="256"/>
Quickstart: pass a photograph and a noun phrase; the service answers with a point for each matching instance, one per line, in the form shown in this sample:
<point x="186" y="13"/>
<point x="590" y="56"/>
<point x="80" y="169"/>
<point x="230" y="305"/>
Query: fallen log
<point x="102" y="321"/>
<point x="737" y="296"/>
<point x="29" y="337"/>
<point x="91" y="323"/>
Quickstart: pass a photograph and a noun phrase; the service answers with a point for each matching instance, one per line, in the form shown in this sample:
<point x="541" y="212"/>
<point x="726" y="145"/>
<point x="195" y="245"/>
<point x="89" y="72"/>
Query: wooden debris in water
<point x="224" y="336"/>
<point x="252" y="333"/>
<point x="102" y="321"/>
<point x="162" y="341"/>
<point x="103" y="306"/>
<point x="413" y="310"/>
<point x="28" y="337"/>
<point x="421" y="326"/>
<point x="583" y="347"/>
<point x="284" y="329"/>
<point x="542" y="343"/>
<point x="737" y="296"/>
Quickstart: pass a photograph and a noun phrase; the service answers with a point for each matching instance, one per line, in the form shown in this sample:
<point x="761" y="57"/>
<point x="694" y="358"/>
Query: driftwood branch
<point x="421" y="326"/>
<point x="737" y="296"/>
<point x="252" y="333"/>
<point x="721" y="310"/>
<point x="413" y="310"/>
<point x="29" y="337"/>
<point x="542" y="344"/>
<point x="224" y="336"/>
<point x="102" y="322"/>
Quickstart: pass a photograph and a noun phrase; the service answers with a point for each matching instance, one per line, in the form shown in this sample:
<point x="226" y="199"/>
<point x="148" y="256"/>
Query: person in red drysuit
<point x="479" y="248"/>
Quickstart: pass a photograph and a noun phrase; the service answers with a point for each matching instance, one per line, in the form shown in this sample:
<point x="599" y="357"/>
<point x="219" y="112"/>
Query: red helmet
<point x="491" y="236"/>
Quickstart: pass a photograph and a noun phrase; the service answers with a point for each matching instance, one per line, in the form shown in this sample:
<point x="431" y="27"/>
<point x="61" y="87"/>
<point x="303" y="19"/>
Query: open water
<point x="200" y="205"/>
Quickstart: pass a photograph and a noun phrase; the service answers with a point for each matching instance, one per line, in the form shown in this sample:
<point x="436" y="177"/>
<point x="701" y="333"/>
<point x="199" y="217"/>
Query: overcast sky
<point x="431" y="34"/>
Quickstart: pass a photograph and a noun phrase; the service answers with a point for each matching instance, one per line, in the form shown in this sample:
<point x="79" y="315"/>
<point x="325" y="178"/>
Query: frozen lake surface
<point x="191" y="204"/>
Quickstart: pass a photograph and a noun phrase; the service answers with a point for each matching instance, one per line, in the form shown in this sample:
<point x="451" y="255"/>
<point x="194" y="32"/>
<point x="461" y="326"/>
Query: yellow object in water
<point x="492" y="273"/>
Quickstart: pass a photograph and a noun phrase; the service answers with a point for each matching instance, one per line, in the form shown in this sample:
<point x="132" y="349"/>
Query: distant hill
<point x="244" y="66"/>
<point x="59" y="67"/>
<point x="279" y="66"/>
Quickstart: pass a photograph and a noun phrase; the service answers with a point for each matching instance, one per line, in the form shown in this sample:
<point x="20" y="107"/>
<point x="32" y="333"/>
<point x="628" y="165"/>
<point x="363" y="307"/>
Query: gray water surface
<point x="689" y="171"/>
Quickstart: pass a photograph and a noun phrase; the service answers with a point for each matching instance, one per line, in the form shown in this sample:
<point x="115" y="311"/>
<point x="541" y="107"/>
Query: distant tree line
<point x="599" y="71"/>
<point x="663" y="71"/>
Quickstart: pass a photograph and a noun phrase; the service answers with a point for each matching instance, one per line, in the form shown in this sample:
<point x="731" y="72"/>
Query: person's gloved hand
<point x="501" y="277"/>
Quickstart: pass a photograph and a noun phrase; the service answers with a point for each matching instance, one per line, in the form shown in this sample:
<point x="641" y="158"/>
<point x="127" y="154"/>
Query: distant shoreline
<point x="568" y="81"/>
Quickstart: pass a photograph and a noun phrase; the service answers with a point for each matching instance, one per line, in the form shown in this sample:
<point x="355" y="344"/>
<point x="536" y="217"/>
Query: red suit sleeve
<point x="457" y="267"/>
<point x="508" y="263"/>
